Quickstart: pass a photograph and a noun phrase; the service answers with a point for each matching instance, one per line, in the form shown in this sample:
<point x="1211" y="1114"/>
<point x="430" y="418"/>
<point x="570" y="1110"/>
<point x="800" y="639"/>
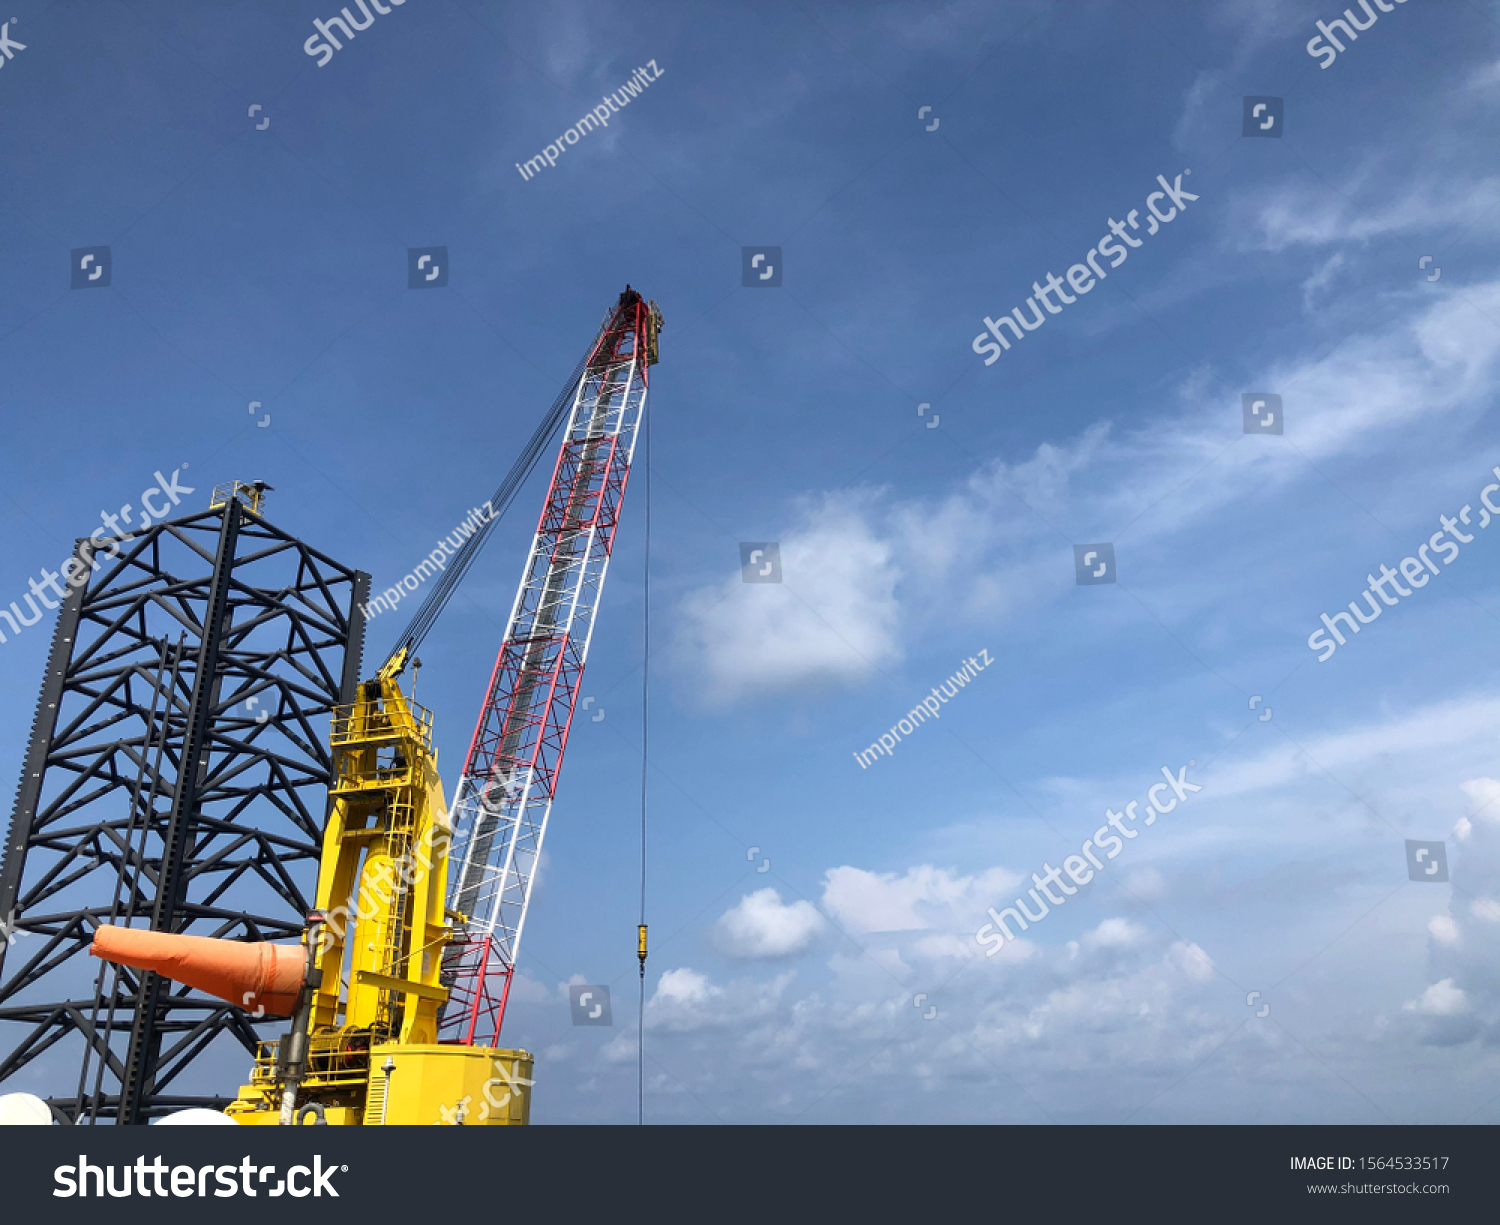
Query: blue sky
<point x="270" y="265"/>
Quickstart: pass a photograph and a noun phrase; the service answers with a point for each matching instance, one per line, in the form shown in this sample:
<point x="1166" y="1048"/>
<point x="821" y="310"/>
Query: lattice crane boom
<point x="509" y="780"/>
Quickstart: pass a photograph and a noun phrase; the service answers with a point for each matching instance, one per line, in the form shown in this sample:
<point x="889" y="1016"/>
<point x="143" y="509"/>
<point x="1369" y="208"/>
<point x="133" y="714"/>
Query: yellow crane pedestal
<point x="451" y="1084"/>
<point x="444" y="1084"/>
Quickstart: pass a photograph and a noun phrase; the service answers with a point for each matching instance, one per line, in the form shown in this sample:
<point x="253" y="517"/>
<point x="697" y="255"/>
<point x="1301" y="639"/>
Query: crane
<point x="509" y="779"/>
<point x="398" y="990"/>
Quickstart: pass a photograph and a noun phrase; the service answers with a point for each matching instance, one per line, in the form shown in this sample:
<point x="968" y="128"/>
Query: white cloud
<point x="1433" y="362"/>
<point x="1297" y="213"/>
<point x="761" y="925"/>
<point x="1134" y="1001"/>
<point x="1321" y="278"/>
<point x="1192" y="961"/>
<point x="1484" y="795"/>
<point x="1442" y="999"/>
<point x="1130" y="1004"/>
<point x="1125" y="1006"/>
<point x="1443" y="929"/>
<point x="1254" y="23"/>
<point x="1464" y="952"/>
<point x="684" y="987"/>
<point x="946" y="945"/>
<point x="685" y="1000"/>
<point x="832" y="620"/>
<point x="575" y="980"/>
<point x="526" y="990"/>
<point x="924" y="898"/>
<point x="1115" y="934"/>
<point x="866" y="569"/>
<point x="1425" y="729"/>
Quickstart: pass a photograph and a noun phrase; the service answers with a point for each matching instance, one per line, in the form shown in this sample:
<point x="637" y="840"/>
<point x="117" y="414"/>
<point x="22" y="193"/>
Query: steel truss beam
<point x="176" y="779"/>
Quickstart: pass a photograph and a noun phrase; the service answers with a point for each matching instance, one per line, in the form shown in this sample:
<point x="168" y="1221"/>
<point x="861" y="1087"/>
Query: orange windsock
<point x="264" y="979"/>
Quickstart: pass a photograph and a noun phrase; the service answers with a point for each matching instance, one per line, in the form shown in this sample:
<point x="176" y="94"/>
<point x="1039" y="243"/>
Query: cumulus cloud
<point x="685" y="1000"/>
<point x="1115" y="933"/>
<point x="526" y="990"/>
<point x="684" y="988"/>
<point x="1121" y="1005"/>
<point x="1191" y="961"/>
<point x="1127" y="999"/>
<point x="1483" y="794"/>
<point x="1464" y="942"/>
<point x="1143" y="1003"/>
<point x="1442" y="999"/>
<point x="921" y="899"/>
<point x="760" y="925"/>
<point x="1443" y="929"/>
<point x="833" y="618"/>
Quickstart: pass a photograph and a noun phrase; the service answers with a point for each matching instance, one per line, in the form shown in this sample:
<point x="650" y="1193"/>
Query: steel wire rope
<point x="640" y="1075"/>
<point x="467" y="553"/>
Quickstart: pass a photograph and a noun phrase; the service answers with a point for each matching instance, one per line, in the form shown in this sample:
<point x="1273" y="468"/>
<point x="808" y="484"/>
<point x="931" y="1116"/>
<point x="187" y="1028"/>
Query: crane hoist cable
<point x="442" y="590"/>
<point x="640" y="1081"/>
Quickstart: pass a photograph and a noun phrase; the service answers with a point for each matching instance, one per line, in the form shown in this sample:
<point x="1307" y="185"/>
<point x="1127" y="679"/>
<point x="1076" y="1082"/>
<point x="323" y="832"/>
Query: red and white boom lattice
<point x="505" y="794"/>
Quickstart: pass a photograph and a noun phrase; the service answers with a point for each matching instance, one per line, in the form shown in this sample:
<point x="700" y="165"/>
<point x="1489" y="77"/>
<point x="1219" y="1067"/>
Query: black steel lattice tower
<point x="176" y="779"/>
